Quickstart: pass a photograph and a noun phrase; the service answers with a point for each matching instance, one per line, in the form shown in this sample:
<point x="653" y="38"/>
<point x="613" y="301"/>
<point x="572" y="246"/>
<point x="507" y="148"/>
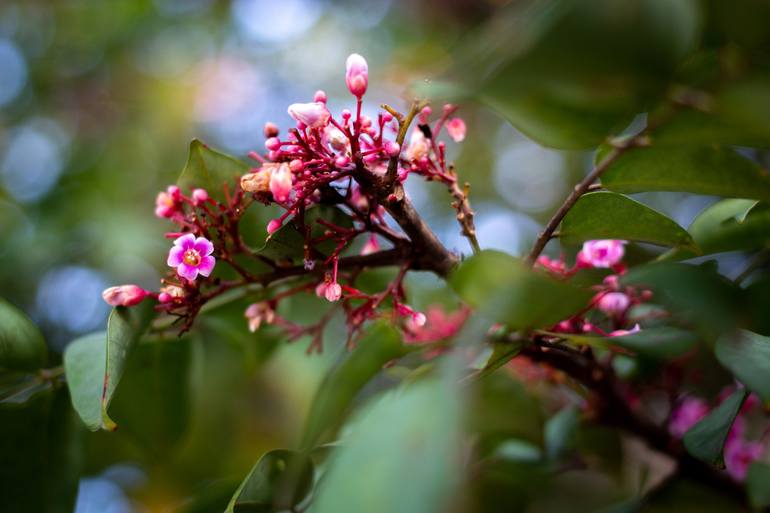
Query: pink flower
<point x="613" y="303"/>
<point x="200" y="196"/>
<point x="455" y="127"/>
<point x="280" y="183"/>
<point x="312" y="115"/>
<point x="686" y="414"/>
<point x="256" y="313"/>
<point x="435" y="325"/>
<point x="601" y="253"/>
<point x="739" y="455"/>
<point x="331" y="291"/>
<point x="168" y="202"/>
<point x="623" y="333"/>
<point x="124" y="295"/>
<point x="192" y="256"/>
<point x="356" y="75"/>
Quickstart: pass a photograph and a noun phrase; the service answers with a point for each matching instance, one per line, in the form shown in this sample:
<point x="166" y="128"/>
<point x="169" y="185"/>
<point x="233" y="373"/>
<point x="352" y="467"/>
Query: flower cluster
<point x="350" y="163"/>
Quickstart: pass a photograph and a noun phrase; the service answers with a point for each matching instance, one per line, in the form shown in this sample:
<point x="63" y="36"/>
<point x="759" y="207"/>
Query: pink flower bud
<point x="273" y="226"/>
<point x="256" y="313"/>
<point x="124" y="295"/>
<point x="270" y="130"/>
<point x="273" y="144"/>
<point x="281" y="183"/>
<point x="342" y="161"/>
<point x="312" y="115"/>
<point x="419" y="319"/>
<point x="392" y="148"/>
<point x="425" y="114"/>
<point x="168" y="202"/>
<point x="601" y="253"/>
<point x="333" y="292"/>
<point x="175" y="192"/>
<point x="296" y="165"/>
<point x="356" y="75"/>
<point x="456" y="129"/>
<point x="165" y="297"/>
<point x="200" y="196"/>
<point x="320" y="96"/>
<point x="613" y="303"/>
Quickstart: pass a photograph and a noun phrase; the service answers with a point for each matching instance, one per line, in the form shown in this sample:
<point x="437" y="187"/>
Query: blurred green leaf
<point x="606" y="215"/>
<point x="680" y="496"/>
<point x="758" y="304"/>
<point x="210" y="170"/>
<point x="94" y="364"/>
<point x="730" y="225"/>
<point x="560" y="433"/>
<point x="381" y="344"/>
<point x="152" y="404"/>
<point x="502" y="353"/>
<point x="400" y="454"/>
<point x="696" y="169"/>
<point x="279" y="481"/>
<point x="506" y="291"/>
<point x="706" y="439"/>
<point x="694" y="294"/>
<point x="19" y="387"/>
<point x="40" y="443"/>
<point x="747" y="356"/>
<point x="663" y="343"/>
<point x="21" y="344"/>
<point x="758" y="484"/>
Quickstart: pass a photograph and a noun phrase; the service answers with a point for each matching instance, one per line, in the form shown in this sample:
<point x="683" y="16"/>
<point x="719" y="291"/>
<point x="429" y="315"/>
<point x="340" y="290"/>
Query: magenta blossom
<point x="688" y="413"/>
<point x="455" y="127"/>
<point x="312" y="115"/>
<point x="613" y="303"/>
<point x="739" y="455"/>
<point x="356" y="75"/>
<point x="192" y="256"/>
<point x="601" y="253"/>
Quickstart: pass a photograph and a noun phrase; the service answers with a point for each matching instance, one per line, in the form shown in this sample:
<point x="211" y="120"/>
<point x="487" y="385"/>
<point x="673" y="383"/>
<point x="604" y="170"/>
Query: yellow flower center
<point x="192" y="257"/>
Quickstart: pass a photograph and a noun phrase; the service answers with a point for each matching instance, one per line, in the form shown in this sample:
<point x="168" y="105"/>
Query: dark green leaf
<point x="210" y="170"/>
<point x="758" y="484"/>
<point x="747" y="356"/>
<point x="696" y="169"/>
<point x="502" y="353"/>
<point x="40" y="443"/>
<point x="401" y="455"/>
<point x="95" y="363"/>
<point x="606" y="215"/>
<point x="560" y="433"/>
<point x="381" y="344"/>
<point x="21" y="344"/>
<point x="730" y="225"/>
<point x="706" y="439"/>
<point x="280" y="480"/>
<point x="505" y="290"/>
<point x="685" y="496"/>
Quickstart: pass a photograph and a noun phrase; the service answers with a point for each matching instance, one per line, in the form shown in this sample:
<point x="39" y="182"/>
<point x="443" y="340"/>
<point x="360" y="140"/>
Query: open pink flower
<point x="455" y="127"/>
<point x="601" y="253"/>
<point x="688" y="413"/>
<point x="312" y="115"/>
<point x="356" y="75"/>
<point x="192" y="256"/>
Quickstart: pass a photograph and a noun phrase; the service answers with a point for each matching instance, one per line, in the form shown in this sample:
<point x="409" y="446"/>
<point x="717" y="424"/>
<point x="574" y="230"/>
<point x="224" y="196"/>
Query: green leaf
<point x="706" y="439"/>
<point x="747" y="356"/>
<point x="506" y="291"/>
<point x="401" y="454"/>
<point x="731" y="225"/>
<point x="21" y="344"/>
<point x="279" y="481"/>
<point x="697" y="169"/>
<point x="560" y="432"/>
<point x="41" y="446"/>
<point x="210" y="170"/>
<point x="758" y="484"/>
<point x="695" y="294"/>
<point x="606" y="215"/>
<point x="502" y="353"/>
<point x="288" y="242"/>
<point x="95" y="363"/>
<point x="381" y="344"/>
<point x="663" y="343"/>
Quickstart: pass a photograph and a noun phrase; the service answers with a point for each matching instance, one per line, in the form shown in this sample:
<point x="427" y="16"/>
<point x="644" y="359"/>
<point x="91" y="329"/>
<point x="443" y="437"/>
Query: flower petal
<point x="187" y="271"/>
<point x="206" y="265"/>
<point x="175" y="256"/>
<point x="203" y="246"/>
<point x="186" y="241"/>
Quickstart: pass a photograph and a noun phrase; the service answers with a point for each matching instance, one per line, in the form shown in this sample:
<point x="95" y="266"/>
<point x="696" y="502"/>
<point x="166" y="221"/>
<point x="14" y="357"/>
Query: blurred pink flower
<point x="613" y="303"/>
<point x="601" y="253"/>
<point x="739" y="455"/>
<point x="124" y="295"/>
<point x="686" y="414"/>
<point x="455" y="127"/>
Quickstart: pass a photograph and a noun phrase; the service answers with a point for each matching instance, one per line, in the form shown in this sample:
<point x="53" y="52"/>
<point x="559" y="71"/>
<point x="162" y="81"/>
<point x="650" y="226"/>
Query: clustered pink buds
<point x="356" y="75"/>
<point x="124" y="295"/>
<point x="192" y="256"/>
<point x="311" y="115"/>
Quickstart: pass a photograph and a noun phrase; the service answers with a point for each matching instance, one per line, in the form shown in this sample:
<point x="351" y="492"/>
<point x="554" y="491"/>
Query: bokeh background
<point x="98" y="101"/>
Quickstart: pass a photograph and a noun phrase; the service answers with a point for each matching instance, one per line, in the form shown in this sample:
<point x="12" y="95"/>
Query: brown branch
<point x="612" y="409"/>
<point x="465" y="213"/>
